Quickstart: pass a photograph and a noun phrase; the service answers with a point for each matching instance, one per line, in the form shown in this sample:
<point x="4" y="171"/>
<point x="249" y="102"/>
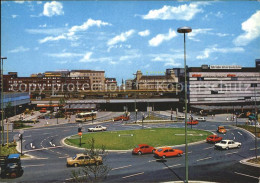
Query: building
<point x="129" y="84"/>
<point x="155" y="82"/>
<point x="110" y="84"/>
<point x="223" y="87"/>
<point x="97" y="78"/>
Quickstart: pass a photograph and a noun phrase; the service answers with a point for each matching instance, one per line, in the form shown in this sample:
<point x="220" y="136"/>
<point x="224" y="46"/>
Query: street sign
<point x="80" y="133"/>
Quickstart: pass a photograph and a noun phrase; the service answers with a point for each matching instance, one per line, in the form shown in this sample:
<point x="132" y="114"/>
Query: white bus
<point x="86" y="116"/>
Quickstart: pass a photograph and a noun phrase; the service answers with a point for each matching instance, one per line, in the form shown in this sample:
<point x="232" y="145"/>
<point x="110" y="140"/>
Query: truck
<point x="11" y="166"/>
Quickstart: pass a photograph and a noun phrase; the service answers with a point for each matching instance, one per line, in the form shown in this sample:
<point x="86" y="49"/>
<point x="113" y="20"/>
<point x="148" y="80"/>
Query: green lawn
<point x="8" y="150"/>
<point x="124" y="140"/>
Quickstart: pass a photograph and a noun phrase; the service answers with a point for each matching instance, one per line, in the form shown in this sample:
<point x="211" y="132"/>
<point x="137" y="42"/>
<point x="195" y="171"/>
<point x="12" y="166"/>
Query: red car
<point x="193" y="122"/>
<point x="143" y="149"/>
<point x="214" y="138"/>
<point x="167" y="152"/>
<point x="119" y="118"/>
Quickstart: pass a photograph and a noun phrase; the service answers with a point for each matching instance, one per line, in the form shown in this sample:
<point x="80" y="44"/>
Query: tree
<point x="9" y="110"/>
<point x="95" y="172"/>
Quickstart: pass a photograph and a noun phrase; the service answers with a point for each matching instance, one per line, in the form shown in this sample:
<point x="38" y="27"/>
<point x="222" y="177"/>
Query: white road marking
<point x="26" y="166"/>
<point x="234" y="137"/>
<point x="188" y="152"/>
<point x="133" y="175"/>
<point x="231" y="153"/>
<point x="254" y="149"/>
<point x="171" y="166"/>
<point x="152" y="160"/>
<point x="46" y="148"/>
<point x="204" y="159"/>
<point x="208" y="148"/>
<point x="121" y="167"/>
<point x="27" y="136"/>
<point x="239" y="133"/>
<point x="246" y="175"/>
<point x="232" y="133"/>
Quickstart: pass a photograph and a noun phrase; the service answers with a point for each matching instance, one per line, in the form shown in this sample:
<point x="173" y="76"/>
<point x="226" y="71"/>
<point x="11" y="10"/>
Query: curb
<point x="244" y="161"/>
<point x="250" y="133"/>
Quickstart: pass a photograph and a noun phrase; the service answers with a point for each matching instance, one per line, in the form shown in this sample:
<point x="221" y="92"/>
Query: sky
<point x="121" y="37"/>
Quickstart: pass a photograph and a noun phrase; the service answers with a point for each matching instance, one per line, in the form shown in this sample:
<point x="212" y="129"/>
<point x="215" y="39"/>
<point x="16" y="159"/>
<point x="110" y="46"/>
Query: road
<point x="205" y="163"/>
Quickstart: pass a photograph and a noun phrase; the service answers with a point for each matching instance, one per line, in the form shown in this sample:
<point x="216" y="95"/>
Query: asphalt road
<point x="205" y="163"/>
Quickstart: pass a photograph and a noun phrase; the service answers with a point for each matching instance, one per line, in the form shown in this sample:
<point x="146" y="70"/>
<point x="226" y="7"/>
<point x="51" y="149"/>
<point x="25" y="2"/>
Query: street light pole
<point x="255" y="85"/>
<point x="2" y="97"/>
<point x="185" y="30"/>
<point x="21" y="138"/>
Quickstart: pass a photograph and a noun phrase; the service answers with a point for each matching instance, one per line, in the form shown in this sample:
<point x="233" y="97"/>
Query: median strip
<point x="133" y="175"/>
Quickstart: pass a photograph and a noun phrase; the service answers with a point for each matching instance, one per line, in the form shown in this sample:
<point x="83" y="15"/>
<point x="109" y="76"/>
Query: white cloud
<point x="86" y="57"/>
<point x="14" y="16"/>
<point x="52" y="8"/>
<point x="44" y="25"/>
<point x="65" y="55"/>
<point x="144" y="33"/>
<point x="251" y="28"/>
<point x="213" y="49"/>
<point x="70" y="35"/>
<point x="39" y="2"/>
<point x="182" y="12"/>
<point x="120" y="38"/>
<point x="158" y="39"/>
<point x="19" y="49"/>
<point x="222" y="34"/>
<point x="19" y="2"/>
<point x="129" y="57"/>
<point x="54" y="31"/>
<point x="167" y="59"/>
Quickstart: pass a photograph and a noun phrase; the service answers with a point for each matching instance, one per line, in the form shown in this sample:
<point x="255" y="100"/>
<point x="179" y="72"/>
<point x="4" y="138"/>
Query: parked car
<point x="120" y="118"/>
<point x="143" y="149"/>
<point x="11" y="166"/>
<point x="227" y="144"/>
<point x="214" y="139"/>
<point x="97" y="128"/>
<point x="201" y="119"/>
<point x="167" y="152"/>
<point x="221" y="129"/>
<point x="193" y="122"/>
<point x="181" y="117"/>
<point x="83" y="159"/>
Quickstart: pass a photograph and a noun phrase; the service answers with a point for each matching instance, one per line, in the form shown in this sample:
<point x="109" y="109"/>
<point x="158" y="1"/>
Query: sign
<point x="80" y="133"/>
<point x="225" y="67"/>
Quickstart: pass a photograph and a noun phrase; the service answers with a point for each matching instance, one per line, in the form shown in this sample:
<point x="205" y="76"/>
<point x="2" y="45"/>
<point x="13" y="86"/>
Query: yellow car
<point x="83" y="159"/>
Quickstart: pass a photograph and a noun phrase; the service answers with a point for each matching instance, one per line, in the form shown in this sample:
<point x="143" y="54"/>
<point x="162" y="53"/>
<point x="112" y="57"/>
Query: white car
<point x="201" y="119"/>
<point x="227" y="144"/>
<point x="181" y="117"/>
<point x="97" y="128"/>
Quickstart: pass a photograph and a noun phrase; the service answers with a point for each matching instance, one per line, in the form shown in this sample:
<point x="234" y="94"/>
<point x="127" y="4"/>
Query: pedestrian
<point x="212" y="116"/>
<point x="227" y="118"/>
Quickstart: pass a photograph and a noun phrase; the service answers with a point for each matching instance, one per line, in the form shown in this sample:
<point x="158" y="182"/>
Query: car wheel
<point x="226" y="148"/>
<point x="139" y="153"/>
<point x="179" y="154"/>
<point x="238" y="146"/>
<point x="163" y="157"/>
<point x="76" y="165"/>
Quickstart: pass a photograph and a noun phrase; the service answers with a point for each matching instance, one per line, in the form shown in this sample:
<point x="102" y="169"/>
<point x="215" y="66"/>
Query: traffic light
<point x="79" y="130"/>
<point x="20" y="136"/>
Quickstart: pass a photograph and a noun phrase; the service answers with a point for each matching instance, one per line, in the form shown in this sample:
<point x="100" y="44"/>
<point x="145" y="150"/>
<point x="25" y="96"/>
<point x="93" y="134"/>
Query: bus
<point x="86" y="116"/>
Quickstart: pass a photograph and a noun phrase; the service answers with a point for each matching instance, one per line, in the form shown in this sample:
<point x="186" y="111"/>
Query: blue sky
<point x="123" y="37"/>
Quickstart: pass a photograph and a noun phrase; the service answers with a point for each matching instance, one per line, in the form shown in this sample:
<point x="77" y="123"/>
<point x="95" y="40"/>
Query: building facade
<point x="97" y="78"/>
<point x="223" y="87"/>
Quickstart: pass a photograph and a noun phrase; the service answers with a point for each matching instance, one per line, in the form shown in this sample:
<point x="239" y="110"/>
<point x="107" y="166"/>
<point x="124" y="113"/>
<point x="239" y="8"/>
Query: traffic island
<point x="251" y="162"/>
<point x="128" y="139"/>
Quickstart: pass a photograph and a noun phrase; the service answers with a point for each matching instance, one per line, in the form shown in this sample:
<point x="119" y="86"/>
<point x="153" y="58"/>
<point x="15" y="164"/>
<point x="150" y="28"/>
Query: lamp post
<point x="2" y="97"/>
<point x="142" y="120"/>
<point x="255" y="85"/>
<point x="92" y="116"/>
<point x="80" y="133"/>
<point x="136" y="115"/>
<point x="21" y="138"/>
<point x="184" y="30"/>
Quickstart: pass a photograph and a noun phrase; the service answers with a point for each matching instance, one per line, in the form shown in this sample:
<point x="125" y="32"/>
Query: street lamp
<point x="92" y="116"/>
<point x="80" y="133"/>
<point x="2" y="97"/>
<point x="255" y="85"/>
<point x="185" y="30"/>
<point x="142" y="120"/>
<point x="136" y="115"/>
<point x="21" y="138"/>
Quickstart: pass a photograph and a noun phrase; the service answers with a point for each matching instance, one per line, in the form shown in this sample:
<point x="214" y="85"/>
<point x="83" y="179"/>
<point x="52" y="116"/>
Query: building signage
<point x="225" y="67"/>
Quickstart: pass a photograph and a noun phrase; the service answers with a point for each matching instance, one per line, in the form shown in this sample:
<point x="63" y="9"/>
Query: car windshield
<point x="137" y="146"/>
<point x="211" y="137"/>
<point x="223" y="142"/>
<point x="159" y="150"/>
<point x="74" y="157"/>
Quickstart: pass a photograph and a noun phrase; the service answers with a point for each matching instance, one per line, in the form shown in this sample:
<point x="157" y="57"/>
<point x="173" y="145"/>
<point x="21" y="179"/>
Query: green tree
<point x="9" y="112"/>
<point x="95" y="172"/>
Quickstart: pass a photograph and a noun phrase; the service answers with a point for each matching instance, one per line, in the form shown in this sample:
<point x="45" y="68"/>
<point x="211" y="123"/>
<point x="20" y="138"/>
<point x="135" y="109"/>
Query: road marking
<point x="234" y="137"/>
<point x="46" y="148"/>
<point x="239" y="133"/>
<point x="63" y="157"/>
<point x="246" y="175"/>
<point x="26" y="166"/>
<point x="171" y="166"/>
<point x="208" y="148"/>
<point x="231" y="153"/>
<point x="188" y="152"/>
<point x="232" y="133"/>
<point x="27" y="136"/>
<point x="121" y="167"/>
<point x="254" y="149"/>
<point x="152" y="160"/>
<point x="204" y="159"/>
<point x="133" y="175"/>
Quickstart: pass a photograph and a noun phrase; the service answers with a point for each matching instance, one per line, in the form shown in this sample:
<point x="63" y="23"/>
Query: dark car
<point x="11" y="166"/>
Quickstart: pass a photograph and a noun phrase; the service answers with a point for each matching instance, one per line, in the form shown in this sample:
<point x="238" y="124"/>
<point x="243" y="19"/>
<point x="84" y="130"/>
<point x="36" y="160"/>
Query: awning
<point x="80" y="106"/>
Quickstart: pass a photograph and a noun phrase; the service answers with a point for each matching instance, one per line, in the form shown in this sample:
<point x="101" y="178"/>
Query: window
<point x="166" y="150"/>
<point x="81" y="157"/>
<point x="214" y="92"/>
<point x="233" y="78"/>
<point x="171" y="150"/>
